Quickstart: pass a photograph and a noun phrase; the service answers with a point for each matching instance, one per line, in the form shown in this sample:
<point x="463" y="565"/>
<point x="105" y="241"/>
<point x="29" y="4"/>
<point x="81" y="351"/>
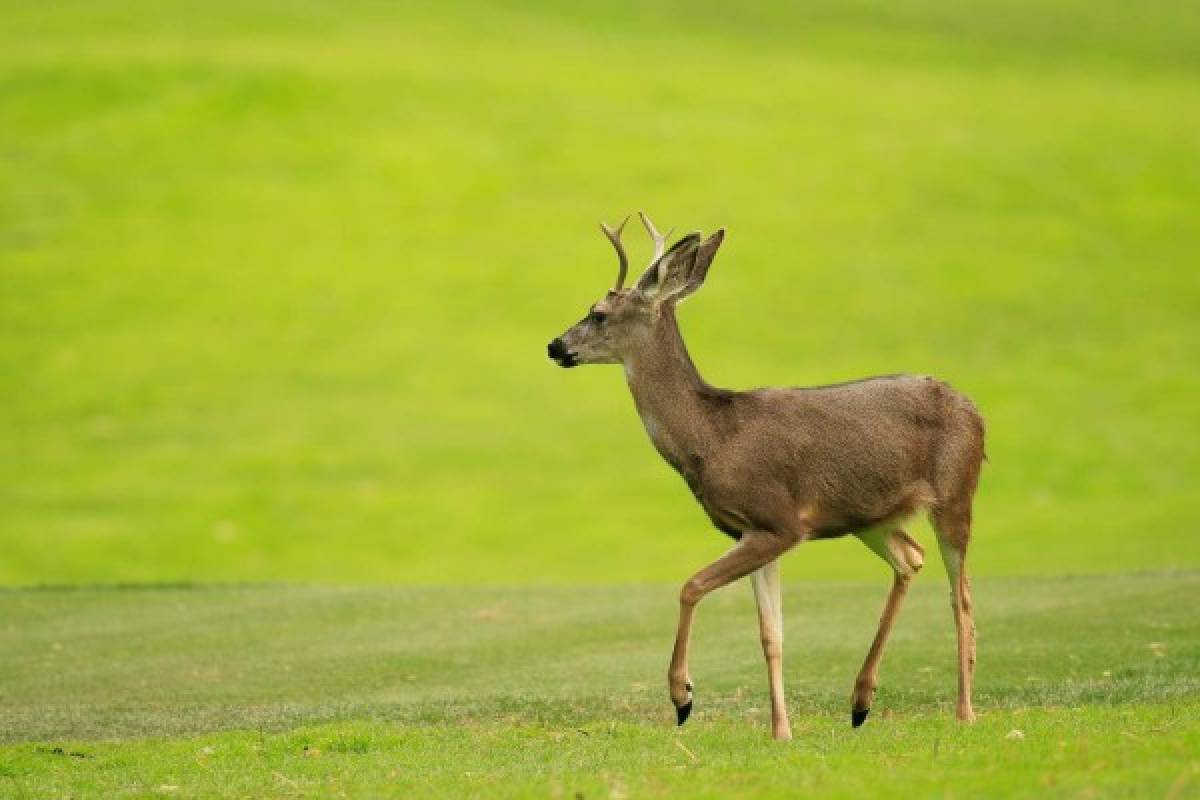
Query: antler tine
<point x="660" y="240"/>
<point x="614" y="236"/>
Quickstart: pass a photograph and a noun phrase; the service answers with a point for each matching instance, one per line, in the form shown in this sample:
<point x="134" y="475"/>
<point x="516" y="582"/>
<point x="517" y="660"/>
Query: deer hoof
<point x="683" y="712"/>
<point x="857" y="718"/>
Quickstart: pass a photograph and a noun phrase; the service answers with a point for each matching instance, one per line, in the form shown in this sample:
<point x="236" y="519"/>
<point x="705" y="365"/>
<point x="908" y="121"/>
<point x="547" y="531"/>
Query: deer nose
<point x="561" y="355"/>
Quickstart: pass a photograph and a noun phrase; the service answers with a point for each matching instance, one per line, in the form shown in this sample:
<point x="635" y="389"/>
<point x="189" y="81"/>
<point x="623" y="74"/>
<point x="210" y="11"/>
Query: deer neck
<point x="672" y="399"/>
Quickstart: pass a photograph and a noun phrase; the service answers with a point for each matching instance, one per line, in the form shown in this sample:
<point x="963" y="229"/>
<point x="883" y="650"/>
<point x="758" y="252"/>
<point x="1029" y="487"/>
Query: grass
<point x="276" y="279"/>
<point x="295" y="691"/>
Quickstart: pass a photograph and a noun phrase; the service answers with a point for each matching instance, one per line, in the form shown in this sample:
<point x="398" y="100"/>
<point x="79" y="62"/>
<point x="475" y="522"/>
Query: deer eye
<point x="597" y="317"/>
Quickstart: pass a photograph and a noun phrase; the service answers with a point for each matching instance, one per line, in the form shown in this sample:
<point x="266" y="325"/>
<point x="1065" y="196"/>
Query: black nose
<point x="559" y="352"/>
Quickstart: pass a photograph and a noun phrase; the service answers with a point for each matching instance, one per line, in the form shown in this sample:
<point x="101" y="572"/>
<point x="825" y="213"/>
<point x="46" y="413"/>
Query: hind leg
<point x="953" y="533"/>
<point x="905" y="557"/>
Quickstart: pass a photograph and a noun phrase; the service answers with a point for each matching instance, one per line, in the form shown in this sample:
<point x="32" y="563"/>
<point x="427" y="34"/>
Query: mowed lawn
<point x="276" y="279"/>
<point x="1086" y="687"/>
<point x="294" y="691"/>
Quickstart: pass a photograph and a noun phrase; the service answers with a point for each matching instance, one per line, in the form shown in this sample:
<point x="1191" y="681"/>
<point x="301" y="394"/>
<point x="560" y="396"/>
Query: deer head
<point x="622" y="320"/>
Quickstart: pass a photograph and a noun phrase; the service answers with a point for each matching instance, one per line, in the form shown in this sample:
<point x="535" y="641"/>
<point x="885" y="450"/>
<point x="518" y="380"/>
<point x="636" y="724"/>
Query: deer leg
<point x="964" y="623"/>
<point x="952" y="541"/>
<point x="753" y="550"/>
<point x="768" y="594"/>
<point x="905" y="557"/>
<point x="868" y="676"/>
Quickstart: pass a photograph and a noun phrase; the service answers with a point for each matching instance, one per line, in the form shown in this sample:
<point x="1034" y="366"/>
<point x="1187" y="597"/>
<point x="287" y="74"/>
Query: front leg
<point x="754" y="550"/>
<point x="769" y="596"/>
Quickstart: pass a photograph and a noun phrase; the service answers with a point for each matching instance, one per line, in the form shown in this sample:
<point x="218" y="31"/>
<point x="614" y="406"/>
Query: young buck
<point x="776" y="467"/>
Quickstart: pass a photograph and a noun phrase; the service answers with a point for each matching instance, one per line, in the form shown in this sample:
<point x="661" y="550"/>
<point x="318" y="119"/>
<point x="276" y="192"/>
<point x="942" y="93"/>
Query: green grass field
<point x="307" y="691"/>
<point x="276" y="280"/>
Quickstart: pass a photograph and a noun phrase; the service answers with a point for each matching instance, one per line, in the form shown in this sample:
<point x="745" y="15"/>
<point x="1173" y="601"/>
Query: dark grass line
<point x="208" y="585"/>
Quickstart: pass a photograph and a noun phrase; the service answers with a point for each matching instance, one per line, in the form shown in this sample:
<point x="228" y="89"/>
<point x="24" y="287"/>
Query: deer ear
<point x="682" y="269"/>
<point x="669" y="271"/>
<point x="704" y="258"/>
<point x="647" y="284"/>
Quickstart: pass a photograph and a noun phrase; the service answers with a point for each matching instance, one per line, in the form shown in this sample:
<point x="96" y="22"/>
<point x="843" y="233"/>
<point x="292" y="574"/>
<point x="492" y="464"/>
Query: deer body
<point x="776" y="467"/>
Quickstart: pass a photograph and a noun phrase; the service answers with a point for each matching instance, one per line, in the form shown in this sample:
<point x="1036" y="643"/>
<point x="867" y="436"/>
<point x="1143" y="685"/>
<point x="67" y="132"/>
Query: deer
<point x="776" y="467"/>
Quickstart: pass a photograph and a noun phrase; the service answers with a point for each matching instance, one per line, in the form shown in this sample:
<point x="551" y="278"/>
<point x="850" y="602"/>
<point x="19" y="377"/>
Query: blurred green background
<point x="276" y="278"/>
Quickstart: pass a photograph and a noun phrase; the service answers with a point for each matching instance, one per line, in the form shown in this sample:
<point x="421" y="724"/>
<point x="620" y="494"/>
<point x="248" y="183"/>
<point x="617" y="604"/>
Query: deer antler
<point x="614" y="236"/>
<point x="660" y="240"/>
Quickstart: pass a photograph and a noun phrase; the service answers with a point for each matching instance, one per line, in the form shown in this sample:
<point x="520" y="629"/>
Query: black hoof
<point x="683" y="712"/>
<point x="857" y="718"/>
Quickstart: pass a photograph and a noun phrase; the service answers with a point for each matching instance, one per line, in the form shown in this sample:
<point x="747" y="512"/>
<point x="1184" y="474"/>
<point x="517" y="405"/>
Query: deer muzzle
<point x="558" y="351"/>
